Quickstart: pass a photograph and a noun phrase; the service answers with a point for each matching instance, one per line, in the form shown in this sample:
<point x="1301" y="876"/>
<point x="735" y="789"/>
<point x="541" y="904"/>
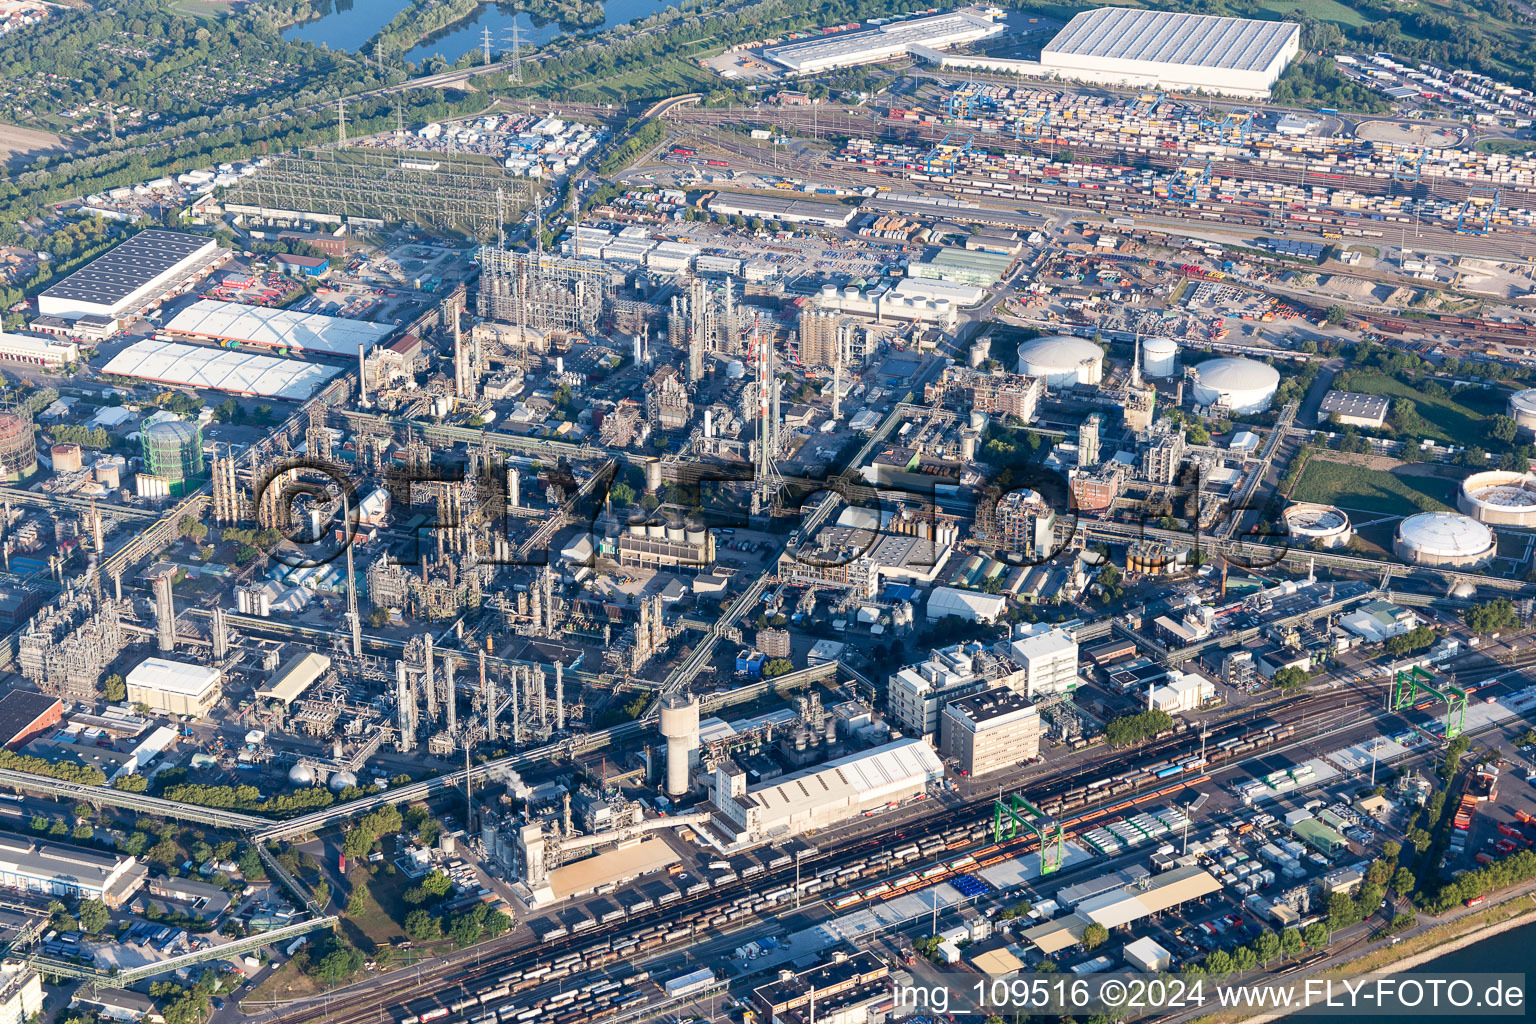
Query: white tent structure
<point x="213" y="369"/>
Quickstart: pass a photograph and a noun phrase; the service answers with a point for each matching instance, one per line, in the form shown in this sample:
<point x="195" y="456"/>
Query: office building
<point x="991" y="730"/>
<point x="174" y="687"/>
<point x="1048" y="656"/>
<point x="54" y="870"/>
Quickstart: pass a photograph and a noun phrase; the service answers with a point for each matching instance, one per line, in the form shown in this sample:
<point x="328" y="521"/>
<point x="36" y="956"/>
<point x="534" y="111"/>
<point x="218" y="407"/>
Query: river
<point x="352" y="23"/>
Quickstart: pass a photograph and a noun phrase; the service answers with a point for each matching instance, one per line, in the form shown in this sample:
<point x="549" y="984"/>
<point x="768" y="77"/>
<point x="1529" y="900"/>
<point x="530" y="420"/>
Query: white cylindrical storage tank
<point x="656" y="531"/>
<point x="674" y="533"/>
<point x="680" y="725"/>
<point x="696" y="535"/>
<point x="1325" y="525"/>
<point x="1443" y="539"/>
<point x="1500" y="498"/>
<point x="1522" y="406"/>
<point x="1062" y="361"/>
<point x="637" y="527"/>
<point x="1244" y="386"/>
<point x="1159" y="356"/>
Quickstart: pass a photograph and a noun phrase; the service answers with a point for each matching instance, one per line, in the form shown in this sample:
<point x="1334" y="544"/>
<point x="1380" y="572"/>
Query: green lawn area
<point x="1355" y="488"/>
<point x="1506" y="145"/>
<point x="285" y="983"/>
<point x="1318" y="10"/>
<point x="379" y="924"/>
<point x="1459" y="420"/>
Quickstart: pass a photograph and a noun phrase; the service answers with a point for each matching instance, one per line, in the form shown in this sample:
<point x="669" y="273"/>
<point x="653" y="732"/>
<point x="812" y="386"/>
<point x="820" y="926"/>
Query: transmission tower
<point x="341" y="121"/>
<point x="515" y="68"/>
<point x="485" y="42"/>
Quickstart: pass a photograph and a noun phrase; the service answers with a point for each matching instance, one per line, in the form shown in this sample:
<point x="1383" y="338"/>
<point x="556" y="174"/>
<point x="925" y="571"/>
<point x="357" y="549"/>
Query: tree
<point x="94" y="916"/>
<point x="1315" y="935"/>
<point x="1503" y="428"/>
<point x="1219" y="962"/>
<point x="130" y="783"/>
<point x="1291" y="941"/>
<point x="357" y="900"/>
<point x="1337" y="315"/>
<point x="421" y="925"/>
<point x="1342" y="911"/>
<point x="1267" y="946"/>
<point x="1244" y="959"/>
<point x="778" y="667"/>
<point x="1403" y="882"/>
<point x="1289" y="678"/>
<point x="1094" y="936"/>
<point x="1491" y="616"/>
<point x="114" y="688"/>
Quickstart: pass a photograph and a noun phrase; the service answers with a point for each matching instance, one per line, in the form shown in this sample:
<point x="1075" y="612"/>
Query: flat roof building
<point x="840" y="991"/>
<point x="887" y="42"/>
<point x="827" y="794"/>
<point x="137" y="274"/>
<point x="25" y="715"/>
<point x="21" y="993"/>
<point x="174" y="687"/>
<point x="21" y="348"/>
<point x="1124" y="906"/>
<point x="1173" y="51"/>
<point x="787" y="211"/>
<point x="56" y="870"/>
<point x="1353" y="409"/>
<point x="994" y="729"/>
<point x="1048" y="655"/>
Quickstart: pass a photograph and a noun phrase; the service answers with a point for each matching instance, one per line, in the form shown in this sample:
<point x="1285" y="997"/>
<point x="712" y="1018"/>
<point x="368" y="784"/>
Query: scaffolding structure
<point x="69" y="644"/>
<point x="451" y="192"/>
<point x="1408" y="684"/>
<point x="542" y="292"/>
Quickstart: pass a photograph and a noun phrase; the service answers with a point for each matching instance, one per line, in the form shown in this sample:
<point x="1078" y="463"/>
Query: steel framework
<point x="542" y="292"/>
<point x="946" y="150"/>
<point x="1192" y="174"/>
<point x="1408" y="684"/>
<point x="1476" y="217"/>
<point x="1032" y="124"/>
<point x="456" y="193"/>
<point x="1007" y="822"/>
<point x="1401" y="171"/>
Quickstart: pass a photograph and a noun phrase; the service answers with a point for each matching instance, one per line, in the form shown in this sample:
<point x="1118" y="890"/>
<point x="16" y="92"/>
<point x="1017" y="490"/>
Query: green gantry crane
<point x="1407" y="684"/>
<point x="1008" y="822"/>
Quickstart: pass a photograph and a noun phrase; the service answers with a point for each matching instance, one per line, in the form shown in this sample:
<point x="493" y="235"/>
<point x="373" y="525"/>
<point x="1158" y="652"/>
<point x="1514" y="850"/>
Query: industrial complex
<point x="960" y="494"/>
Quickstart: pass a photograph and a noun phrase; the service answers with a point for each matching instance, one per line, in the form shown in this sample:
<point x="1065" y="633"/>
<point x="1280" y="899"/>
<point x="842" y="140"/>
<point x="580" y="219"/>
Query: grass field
<point x="1318" y="10"/>
<point x="1403" y="492"/>
<point x="1459" y="420"/>
<point x="1506" y="145"/>
<point x="379" y="923"/>
<point x="285" y="983"/>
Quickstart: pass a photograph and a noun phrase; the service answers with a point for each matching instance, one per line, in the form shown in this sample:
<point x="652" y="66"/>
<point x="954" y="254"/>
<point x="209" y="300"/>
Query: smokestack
<point x="362" y="377"/>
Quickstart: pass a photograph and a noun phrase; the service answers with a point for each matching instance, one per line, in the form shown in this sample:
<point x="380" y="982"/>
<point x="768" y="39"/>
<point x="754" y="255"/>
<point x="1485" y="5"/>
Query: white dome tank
<point x="1062" y="361"/>
<point x="1444" y="538"/>
<point x="1243" y="385"/>
<point x="1159" y="357"/>
<point x="1522" y="407"/>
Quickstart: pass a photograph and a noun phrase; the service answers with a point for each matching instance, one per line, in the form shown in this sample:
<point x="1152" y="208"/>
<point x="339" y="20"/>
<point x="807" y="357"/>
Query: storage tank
<point x="301" y="775"/>
<point x="1244" y="386"/>
<point x="18" y="446"/>
<point x="1329" y="527"/>
<point x="1500" y="498"/>
<point x="656" y="531"/>
<point x="66" y="458"/>
<point x="1443" y="539"/>
<point x="1522" y="407"/>
<point x="1159" y="356"/>
<point x="341" y="780"/>
<point x="675" y="534"/>
<point x="637" y="527"/>
<point x="173" y="451"/>
<point x="680" y="726"/>
<point x="109" y="472"/>
<point x="1062" y="361"/>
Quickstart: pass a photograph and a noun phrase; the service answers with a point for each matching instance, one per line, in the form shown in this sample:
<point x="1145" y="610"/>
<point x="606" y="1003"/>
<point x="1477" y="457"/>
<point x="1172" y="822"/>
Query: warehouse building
<point x="841" y="991"/>
<point x="887" y="42"/>
<point x="217" y="369"/>
<point x="295" y="675"/>
<point x="1353" y="410"/>
<point x="145" y="270"/>
<point x="1123" y="906"/>
<point x="280" y="329"/>
<point x="1172" y="51"/>
<point x="975" y="267"/>
<point x="55" y="870"/>
<point x="997" y="728"/>
<point x="20" y="348"/>
<point x="825" y="795"/>
<point x="785" y="211"/>
<point x="25" y="715"/>
<point x="174" y="687"/>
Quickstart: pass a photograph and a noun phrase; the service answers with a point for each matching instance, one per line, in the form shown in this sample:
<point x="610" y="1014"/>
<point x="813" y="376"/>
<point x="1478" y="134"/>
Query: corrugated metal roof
<point x="279" y="328"/>
<point x="242" y="373"/>
<point x="1168" y="37"/>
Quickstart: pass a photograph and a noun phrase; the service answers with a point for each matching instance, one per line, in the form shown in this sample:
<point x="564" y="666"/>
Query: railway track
<point x="1061" y="792"/>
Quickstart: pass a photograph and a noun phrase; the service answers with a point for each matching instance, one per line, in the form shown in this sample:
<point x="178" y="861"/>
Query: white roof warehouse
<point x="1169" y="50"/>
<point x="68" y="870"/>
<point x="277" y="328"/>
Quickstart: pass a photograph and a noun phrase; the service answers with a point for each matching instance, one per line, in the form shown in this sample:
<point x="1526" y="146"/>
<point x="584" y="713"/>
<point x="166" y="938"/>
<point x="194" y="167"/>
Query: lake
<point x="350" y="24"/>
